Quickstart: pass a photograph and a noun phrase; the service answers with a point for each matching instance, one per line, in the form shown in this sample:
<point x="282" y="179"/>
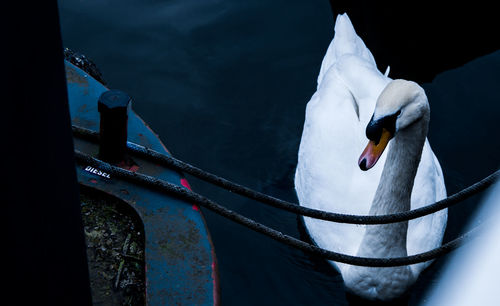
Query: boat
<point x="143" y="247"/>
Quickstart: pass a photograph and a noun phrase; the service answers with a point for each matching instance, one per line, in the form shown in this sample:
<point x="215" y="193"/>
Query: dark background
<point x="44" y="260"/>
<point x="224" y="84"/>
<point x="422" y="38"/>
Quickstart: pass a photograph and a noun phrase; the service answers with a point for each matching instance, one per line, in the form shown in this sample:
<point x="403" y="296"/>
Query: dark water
<point x="225" y="84"/>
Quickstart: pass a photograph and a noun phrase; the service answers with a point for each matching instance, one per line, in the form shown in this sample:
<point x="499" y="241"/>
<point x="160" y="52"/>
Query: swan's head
<point x="400" y="104"/>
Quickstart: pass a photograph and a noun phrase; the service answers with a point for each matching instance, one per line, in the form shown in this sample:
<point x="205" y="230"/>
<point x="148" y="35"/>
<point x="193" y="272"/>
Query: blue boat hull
<point x="181" y="266"/>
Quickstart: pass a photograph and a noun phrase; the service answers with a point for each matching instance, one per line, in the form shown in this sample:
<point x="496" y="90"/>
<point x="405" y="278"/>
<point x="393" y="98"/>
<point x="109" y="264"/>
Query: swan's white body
<point x="328" y="176"/>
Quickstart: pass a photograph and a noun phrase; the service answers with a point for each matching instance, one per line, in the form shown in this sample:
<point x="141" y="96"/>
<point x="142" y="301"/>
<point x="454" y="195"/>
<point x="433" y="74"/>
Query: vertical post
<point x="113" y="107"/>
<point x="44" y="241"/>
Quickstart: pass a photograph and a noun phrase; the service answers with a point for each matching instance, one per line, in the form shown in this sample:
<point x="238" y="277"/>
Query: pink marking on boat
<point x="215" y="280"/>
<point x="134" y="168"/>
<point x="185" y="183"/>
<point x="195" y="207"/>
<point x="93" y="181"/>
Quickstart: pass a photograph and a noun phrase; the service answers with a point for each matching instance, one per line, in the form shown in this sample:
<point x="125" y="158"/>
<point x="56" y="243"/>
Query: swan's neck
<point x="394" y="192"/>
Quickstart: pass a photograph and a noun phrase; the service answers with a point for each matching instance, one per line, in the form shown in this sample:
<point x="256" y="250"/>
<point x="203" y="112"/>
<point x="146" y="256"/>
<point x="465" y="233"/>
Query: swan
<point x="338" y="172"/>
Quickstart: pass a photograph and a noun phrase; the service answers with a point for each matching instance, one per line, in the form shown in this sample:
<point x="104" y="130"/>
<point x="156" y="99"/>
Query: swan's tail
<point x="345" y="42"/>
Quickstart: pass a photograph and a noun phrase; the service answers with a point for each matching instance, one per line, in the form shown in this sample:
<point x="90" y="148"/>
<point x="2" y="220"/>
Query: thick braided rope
<point x="192" y="197"/>
<point x="178" y="165"/>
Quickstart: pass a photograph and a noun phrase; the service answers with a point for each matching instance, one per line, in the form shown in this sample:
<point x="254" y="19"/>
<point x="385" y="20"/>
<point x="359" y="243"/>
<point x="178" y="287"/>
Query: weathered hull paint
<point x="181" y="266"/>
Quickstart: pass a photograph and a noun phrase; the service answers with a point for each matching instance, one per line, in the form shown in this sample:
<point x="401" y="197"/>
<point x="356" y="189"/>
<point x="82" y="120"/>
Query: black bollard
<point x="113" y="107"/>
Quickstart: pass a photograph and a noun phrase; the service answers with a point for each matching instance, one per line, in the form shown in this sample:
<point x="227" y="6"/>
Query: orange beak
<point x="373" y="151"/>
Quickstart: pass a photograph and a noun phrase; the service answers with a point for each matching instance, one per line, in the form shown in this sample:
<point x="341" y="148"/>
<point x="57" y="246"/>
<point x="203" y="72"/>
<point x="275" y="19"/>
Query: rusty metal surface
<point x="180" y="260"/>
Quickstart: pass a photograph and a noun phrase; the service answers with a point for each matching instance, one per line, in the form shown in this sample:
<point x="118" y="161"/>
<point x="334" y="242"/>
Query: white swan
<point x="354" y="100"/>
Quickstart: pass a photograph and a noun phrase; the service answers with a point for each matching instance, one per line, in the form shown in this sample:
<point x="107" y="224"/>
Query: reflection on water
<point x="225" y="83"/>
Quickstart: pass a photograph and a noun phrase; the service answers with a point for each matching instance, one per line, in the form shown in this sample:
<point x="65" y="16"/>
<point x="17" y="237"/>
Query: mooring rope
<point x="192" y="197"/>
<point x="179" y="165"/>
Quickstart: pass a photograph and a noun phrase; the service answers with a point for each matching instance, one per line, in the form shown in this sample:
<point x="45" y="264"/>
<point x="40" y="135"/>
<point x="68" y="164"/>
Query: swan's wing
<point x="325" y="176"/>
<point x="352" y="64"/>
<point x="345" y="42"/>
<point x="328" y="176"/>
<point x="427" y="232"/>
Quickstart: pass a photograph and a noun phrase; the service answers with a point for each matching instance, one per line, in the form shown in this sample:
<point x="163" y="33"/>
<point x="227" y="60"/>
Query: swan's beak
<point x="373" y="151"/>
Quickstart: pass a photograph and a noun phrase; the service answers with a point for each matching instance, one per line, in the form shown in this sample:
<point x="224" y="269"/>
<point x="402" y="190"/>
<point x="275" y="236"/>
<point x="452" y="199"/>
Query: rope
<point x="176" y="164"/>
<point x="192" y="197"/>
